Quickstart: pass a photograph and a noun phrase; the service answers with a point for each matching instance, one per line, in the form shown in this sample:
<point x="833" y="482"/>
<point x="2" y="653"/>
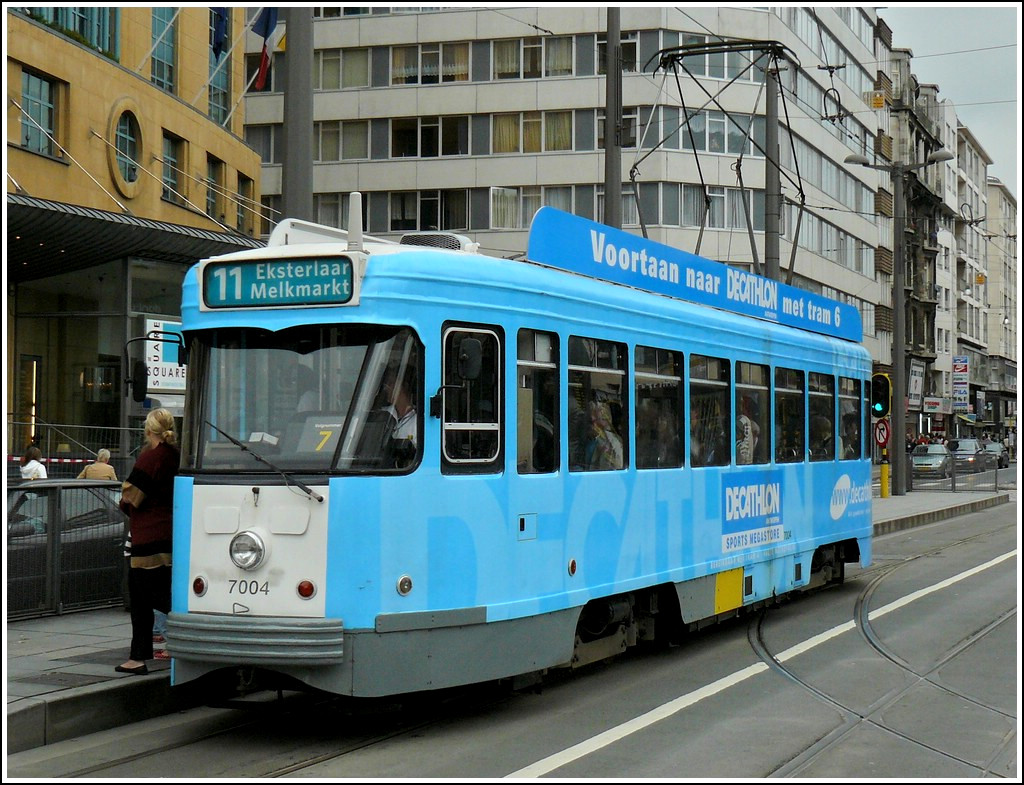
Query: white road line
<point x="666" y="710"/>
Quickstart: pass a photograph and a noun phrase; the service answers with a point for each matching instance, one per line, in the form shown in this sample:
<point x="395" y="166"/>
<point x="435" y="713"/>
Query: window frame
<point x="473" y="464"/>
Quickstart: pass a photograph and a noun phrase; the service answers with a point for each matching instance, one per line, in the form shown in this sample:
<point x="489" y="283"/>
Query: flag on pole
<point x="220" y="31"/>
<point x="264" y="27"/>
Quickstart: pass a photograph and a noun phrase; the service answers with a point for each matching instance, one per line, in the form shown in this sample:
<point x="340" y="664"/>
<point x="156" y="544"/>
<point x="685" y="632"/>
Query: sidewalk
<point x="60" y="669"/>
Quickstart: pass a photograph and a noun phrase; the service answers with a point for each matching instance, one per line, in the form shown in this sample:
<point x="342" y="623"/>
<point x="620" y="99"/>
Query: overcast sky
<point x="972" y="53"/>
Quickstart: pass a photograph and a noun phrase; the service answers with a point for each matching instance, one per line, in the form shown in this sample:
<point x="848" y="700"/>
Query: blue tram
<point x="408" y="466"/>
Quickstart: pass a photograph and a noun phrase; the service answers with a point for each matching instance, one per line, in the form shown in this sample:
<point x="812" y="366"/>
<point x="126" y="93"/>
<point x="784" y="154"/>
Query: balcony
<point x="883" y="260"/>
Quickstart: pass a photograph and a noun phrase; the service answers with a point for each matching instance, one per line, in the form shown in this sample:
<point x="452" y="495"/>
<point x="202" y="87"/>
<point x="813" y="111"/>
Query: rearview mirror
<point x="139" y="381"/>
<point x="470" y="353"/>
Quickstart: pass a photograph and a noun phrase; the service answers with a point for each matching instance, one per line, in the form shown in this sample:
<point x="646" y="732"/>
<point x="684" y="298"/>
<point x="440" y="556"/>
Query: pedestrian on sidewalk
<point x="159" y="617"/>
<point x="100" y="469"/>
<point x="147" y="499"/>
<point x="31" y="464"/>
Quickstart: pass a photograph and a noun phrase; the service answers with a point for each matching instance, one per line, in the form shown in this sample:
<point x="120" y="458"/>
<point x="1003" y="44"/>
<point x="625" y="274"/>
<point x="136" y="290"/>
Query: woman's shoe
<point x="158" y="639"/>
<point x="161" y="655"/>
<point x="140" y="670"/>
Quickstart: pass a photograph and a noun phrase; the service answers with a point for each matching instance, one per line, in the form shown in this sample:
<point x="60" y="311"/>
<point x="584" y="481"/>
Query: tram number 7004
<point x="236" y="586"/>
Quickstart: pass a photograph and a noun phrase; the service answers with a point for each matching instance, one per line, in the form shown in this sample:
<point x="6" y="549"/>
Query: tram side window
<point x="710" y="412"/>
<point x="850" y="419"/>
<point x="753" y="413"/>
<point x="821" y="401"/>
<point x="471" y="426"/>
<point x="597" y="405"/>
<point x="537" y="402"/>
<point x="658" y="395"/>
<point x="789" y="415"/>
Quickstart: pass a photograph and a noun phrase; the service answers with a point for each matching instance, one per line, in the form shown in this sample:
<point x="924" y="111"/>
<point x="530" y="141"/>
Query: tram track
<point x="347" y="725"/>
<point x="851" y="718"/>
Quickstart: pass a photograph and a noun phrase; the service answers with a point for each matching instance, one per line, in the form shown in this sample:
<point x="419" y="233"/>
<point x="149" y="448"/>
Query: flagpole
<point x="226" y="57"/>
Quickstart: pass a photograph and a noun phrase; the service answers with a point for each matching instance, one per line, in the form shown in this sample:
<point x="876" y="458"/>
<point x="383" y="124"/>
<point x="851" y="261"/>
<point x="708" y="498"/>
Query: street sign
<point x="882" y="433"/>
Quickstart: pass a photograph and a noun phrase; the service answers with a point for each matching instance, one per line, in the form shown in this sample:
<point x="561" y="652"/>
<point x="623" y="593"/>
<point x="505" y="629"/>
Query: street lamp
<point x="899" y="342"/>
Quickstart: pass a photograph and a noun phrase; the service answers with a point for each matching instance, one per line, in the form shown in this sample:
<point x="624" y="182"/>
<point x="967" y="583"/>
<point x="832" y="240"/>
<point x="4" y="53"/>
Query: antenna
<point x="355" y="221"/>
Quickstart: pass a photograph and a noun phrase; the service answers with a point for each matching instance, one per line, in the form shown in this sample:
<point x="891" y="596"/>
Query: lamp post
<point x="899" y="332"/>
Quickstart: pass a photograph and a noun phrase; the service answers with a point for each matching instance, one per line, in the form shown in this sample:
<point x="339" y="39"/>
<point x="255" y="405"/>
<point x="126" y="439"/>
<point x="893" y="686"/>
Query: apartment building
<point x="468" y="120"/>
<point x="1003" y="308"/>
<point x="972" y="280"/>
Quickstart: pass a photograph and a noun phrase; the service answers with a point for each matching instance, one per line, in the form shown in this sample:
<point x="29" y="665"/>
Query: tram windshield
<point x="310" y="398"/>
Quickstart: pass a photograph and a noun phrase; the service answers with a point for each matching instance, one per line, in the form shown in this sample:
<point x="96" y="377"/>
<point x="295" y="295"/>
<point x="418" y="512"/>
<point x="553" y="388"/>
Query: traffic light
<point x="881" y="395"/>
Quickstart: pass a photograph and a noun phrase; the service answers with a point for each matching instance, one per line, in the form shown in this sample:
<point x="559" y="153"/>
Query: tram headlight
<point x="247" y="550"/>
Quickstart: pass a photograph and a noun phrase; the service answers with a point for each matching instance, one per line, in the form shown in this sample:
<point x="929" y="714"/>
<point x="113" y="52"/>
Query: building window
<point x="127" y="145"/>
<point x="627" y="133"/>
<point x="220" y="84"/>
<point x="558" y="56"/>
<point x="162" y="60"/>
<point x="244" y="210"/>
<point x="504" y="208"/>
<point x="629" y="50"/>
<point x="39" y="113"/>
<point x="332" y="209"/>
<point x="214" y="186"/>
<point x="326" y="69"/>
<point x="173" y="158"/>
<point x="404" y="137"/>
<point x="404" y="65"/>
<point x="265" y="140"/>
<point x="455" y="135"/>
<point x="328" y="140"/>
<point x="355" y="143"/>
<point x="403" y="211"/>
<point x="252" y="67"/>
<point x="355" y="68"/>
<point x="98" y="26"/>
<point x="270" y="212"/>
<point x="455" y="62"/>
<point x="506" y="59"/>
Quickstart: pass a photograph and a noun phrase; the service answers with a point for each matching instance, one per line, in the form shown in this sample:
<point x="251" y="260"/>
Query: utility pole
<point x="297" y="169"/>
<point x="613" y="122"/>
<point x="772" y="180"/>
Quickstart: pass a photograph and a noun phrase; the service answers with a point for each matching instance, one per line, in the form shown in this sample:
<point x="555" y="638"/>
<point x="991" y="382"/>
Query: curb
<point x="47" y="719"/>
<point x="922" y="518"/>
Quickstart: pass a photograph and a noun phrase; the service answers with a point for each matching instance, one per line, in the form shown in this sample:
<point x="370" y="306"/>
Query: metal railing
<point x="67" y="449"/>
<point x="65" y="547"/>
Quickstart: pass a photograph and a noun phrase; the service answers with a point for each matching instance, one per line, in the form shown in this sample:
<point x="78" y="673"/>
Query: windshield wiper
<point x="288" y="479"/>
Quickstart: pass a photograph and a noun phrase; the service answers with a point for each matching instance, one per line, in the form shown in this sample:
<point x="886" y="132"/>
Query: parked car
<point x="1002" y="456"/>
<point x="931" y="460"/>
<point x="971" y="456"/>
<point x="79" y="522"/>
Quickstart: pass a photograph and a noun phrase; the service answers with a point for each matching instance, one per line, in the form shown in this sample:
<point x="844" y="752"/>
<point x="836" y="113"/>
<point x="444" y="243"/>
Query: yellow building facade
<point x="125" y="166"/>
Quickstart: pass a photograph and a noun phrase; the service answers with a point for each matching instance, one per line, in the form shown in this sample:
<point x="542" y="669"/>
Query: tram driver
<point x="401" y="405"/>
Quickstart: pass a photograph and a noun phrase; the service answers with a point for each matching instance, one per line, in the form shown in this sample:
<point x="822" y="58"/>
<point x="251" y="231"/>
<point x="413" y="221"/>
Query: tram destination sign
<point x="568" y="242"/>
<point x="277" y="283"/>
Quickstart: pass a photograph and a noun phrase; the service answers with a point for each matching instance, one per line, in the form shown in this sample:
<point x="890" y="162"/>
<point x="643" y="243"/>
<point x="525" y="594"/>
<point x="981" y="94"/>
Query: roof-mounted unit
<point x="445" y="240"/>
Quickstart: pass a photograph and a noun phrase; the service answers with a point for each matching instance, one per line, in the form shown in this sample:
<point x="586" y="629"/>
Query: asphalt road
<point x="907" y="670"/>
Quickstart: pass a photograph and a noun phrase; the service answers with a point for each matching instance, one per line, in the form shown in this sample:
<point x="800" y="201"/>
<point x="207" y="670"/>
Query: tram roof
<point x="603" y="254"/>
